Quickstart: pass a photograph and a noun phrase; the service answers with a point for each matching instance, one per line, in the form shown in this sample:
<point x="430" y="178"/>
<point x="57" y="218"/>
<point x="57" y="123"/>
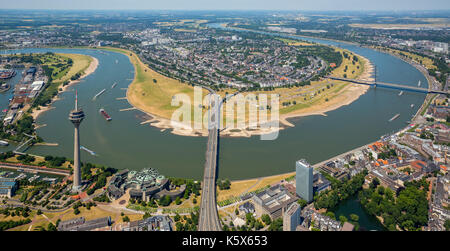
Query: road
<point x="32" y="169"/>
<point x="209" y="217"/>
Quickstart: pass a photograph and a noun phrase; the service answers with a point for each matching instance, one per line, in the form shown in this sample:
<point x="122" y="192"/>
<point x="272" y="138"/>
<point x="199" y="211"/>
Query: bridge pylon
<point x="375" y="76"/>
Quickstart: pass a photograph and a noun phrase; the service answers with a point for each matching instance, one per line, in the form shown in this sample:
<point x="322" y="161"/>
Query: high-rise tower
<point x="304" y="180"/>
<point x="76" y="116"/>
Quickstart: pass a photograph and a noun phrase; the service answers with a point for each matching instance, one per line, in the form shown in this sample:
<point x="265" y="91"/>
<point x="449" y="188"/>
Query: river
<point x="125" y="143"/>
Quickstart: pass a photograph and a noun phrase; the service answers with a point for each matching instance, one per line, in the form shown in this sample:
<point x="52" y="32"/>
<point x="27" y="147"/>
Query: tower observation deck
<point x="76" y="116"/>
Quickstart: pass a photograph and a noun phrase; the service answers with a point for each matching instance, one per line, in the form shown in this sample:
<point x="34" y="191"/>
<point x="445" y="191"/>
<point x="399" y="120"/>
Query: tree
<point x="266" y="219"/>
<point x="276" y="225"/>
<point x="224" y="184"/>
<point x="258" y="225"/>
<point x="331" y="215"/>
<point x="447" y="225"/>
<point x="165" y="201"/>
<point x="51" y="227"/>
<point x="354" y="217"/>
<point x="179" y="226"/>
<point x="302" y="203"/>
<point x="374" y="184"/>
<point x="343" y="219"/>
<point x="126" y="219"/>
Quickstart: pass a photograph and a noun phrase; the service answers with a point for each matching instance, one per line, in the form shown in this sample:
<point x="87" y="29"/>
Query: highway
<point x="209" y="217"/>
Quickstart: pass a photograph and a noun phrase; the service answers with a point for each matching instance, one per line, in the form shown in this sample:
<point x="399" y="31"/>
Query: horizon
<point x="231" y="5"/>
<point x="246" y="10"/>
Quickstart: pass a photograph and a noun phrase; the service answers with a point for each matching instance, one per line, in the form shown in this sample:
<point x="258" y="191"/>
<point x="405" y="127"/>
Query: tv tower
<point x="76" y="116"/>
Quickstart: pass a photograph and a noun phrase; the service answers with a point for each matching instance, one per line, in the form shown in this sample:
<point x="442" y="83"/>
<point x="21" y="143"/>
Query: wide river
<point x="125" y="143"/>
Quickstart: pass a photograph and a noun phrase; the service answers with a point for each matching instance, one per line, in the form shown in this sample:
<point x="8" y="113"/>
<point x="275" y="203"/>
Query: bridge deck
<point x="390" y="85"/>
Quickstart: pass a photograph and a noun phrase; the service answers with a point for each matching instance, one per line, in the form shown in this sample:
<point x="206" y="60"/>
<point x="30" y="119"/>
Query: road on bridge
<point x="392" y="86"/>
<point x="209" y="217"/>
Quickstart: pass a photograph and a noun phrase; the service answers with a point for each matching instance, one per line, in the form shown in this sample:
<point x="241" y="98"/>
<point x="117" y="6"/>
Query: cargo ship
<point x="89" y="151"/>
<point x="105" y="115"/>
<point x="395" y="117"/>
<point x="7" y="74"/>
<point x="98" y="94"/>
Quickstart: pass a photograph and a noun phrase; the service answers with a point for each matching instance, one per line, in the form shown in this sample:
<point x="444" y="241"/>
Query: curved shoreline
<point x="89" y="70"/>
<point x="346" y="96"/>
<point x="352" y="93"/>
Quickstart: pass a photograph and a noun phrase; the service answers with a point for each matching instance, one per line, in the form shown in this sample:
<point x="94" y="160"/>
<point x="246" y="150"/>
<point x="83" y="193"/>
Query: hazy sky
<point x="230" y="4"/>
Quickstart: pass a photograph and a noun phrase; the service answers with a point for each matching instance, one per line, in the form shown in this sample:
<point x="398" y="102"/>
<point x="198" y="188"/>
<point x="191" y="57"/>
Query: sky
<point x="229" y="4"/>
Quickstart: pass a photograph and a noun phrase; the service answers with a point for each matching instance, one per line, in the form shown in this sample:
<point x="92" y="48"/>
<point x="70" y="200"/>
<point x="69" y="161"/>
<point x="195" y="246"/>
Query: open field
<point x="400" y="26"/>
<point x="151" y="91"/>
<point x="425" y="61"/>
<point x="295" y="42"/>
<point x="93" y="213"/>
<point x="81" y="66"/>
<point x="244" y="186"/>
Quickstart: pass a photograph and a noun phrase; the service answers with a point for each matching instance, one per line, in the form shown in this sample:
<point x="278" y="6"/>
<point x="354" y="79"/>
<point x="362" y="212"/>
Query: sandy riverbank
<point x="348" y="94"/>
<point x="91" y="69"/>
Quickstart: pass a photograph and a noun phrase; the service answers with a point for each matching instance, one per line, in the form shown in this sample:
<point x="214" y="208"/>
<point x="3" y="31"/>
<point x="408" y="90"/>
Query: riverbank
<point x="62" y="88"/>
<point x="431" y="81"/>
<point x="157" y="108"/>
<point x="349" y="94"/>
<point x="225" y="25"/>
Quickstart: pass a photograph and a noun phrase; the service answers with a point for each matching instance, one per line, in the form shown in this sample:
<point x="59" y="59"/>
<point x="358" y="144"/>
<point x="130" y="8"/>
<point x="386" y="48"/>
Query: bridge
<point x="31" y="137"/>
<point x="391" y="86"/>
<point x="209" y="217"/>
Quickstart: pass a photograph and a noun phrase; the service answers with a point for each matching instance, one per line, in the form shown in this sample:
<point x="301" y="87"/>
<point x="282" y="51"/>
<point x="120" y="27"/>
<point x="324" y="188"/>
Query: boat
<point x="20" y="177"/>
<point x="117" y="61"/>
<point x="419" y="83"/>
<point x="412" y="105"/>
<point x="98" y="94"/>
<point x="105" y="115"/>
<point x="114" y="85"/>
<point x="89" y="151"/>
<point x="401" y="93"/>
<point x="35" y="177"/>
<point x="395" y="117"/>
<point x="51" y="180"/>
<point x="7" y="74"/>
<point x="4" y="143"/>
